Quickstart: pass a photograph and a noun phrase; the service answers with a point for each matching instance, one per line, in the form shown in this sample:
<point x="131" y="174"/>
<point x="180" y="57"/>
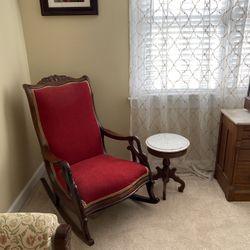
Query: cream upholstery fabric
<point x="27" y="230"/>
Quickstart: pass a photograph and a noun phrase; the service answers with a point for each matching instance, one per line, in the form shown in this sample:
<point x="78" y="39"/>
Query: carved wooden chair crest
<point x="83" y="177"/>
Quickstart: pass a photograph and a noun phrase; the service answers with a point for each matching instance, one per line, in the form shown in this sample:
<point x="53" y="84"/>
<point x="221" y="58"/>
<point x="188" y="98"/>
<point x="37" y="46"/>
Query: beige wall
<point x="73" y="45"/>
<point x="94" y="45"/>
<point x="18" y="149"/>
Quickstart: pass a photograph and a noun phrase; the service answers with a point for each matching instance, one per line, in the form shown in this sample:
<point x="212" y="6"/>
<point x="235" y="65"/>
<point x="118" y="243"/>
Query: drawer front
<point x="242" y="176"/>
<point x="244" y="132"/>
<point x="244" y="144"/>
<point x="243" y="155"/>
<point x="244" y="165"/>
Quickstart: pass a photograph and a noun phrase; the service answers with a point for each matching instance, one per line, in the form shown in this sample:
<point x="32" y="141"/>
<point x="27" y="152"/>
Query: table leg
<point x="165" y="173"/>
<point x="177" y="179"/>
<point x="165" y="179"/>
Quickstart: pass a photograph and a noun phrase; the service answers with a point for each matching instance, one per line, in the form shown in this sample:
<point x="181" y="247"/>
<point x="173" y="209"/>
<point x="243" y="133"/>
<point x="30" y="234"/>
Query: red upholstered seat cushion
<point x="103" y="175"/>
<point x="68" y="121"/>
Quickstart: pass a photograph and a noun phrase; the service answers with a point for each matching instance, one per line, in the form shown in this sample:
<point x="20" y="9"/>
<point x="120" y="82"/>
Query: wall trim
<point x="27" y="190"/>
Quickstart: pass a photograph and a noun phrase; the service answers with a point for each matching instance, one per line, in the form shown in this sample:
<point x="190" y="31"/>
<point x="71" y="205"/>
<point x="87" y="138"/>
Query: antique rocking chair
<point x="83" y="178"/>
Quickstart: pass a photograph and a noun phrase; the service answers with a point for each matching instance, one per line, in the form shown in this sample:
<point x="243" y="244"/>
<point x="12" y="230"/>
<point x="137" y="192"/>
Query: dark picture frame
<point x="68" y="7"/>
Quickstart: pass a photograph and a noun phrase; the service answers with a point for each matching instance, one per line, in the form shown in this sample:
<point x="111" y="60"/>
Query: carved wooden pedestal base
<point x="165" y="173"/>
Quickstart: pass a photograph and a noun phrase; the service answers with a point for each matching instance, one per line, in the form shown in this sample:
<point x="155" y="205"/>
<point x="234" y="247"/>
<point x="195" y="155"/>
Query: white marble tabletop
<point x="167" y="142"/>
<point x="237" y="116"/>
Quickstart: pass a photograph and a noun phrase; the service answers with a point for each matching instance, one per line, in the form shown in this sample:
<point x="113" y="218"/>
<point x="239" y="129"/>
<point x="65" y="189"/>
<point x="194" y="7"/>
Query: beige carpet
<point x="199" y="218"/>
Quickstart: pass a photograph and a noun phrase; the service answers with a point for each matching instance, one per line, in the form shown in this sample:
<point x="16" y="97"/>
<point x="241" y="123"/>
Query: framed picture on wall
<point x="68" y="7"/>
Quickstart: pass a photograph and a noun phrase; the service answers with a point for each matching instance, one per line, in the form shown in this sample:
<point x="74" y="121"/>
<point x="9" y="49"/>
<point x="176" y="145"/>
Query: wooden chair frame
<point x="72" y="200"/>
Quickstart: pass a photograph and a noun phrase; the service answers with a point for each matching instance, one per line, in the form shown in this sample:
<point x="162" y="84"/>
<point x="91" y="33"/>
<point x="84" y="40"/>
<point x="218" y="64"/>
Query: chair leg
<point x="151" y="199"/>
<point x="85" y="230"/>
<point x="83" y="234"/>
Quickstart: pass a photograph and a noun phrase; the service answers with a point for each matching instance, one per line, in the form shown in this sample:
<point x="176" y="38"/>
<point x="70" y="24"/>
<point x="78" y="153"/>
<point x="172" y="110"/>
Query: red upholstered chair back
<point x="67" y="121"/>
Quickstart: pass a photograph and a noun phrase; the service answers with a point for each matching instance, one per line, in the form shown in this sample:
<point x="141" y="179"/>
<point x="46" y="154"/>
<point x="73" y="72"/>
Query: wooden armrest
<point x="134" y="145"/>
<point x="62" y="237"/>
<point x="49" y="156"/>
<point x="115" y="136"/>
<point x="65" y="167"/>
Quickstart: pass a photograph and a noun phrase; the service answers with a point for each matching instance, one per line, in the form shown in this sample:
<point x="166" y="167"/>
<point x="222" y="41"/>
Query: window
<point x="186" y="42"/>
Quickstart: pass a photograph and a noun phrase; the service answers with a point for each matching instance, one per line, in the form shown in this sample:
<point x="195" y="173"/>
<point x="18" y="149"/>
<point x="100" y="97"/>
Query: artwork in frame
<point x="68" y="7"/>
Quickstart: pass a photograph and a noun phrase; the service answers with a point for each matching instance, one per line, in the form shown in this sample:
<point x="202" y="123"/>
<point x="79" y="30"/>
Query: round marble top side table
<point x="167" y="146"/>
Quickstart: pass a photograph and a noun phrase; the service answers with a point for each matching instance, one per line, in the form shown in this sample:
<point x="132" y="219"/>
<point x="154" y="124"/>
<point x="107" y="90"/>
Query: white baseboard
<point x="27" y="190"/>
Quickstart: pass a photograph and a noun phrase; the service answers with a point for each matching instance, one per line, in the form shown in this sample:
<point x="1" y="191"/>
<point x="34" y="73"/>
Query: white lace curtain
<point x="188" y="59"/>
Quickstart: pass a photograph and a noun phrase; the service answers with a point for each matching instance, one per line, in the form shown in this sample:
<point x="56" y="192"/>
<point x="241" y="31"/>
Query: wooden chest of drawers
<point x="232" y="169"/>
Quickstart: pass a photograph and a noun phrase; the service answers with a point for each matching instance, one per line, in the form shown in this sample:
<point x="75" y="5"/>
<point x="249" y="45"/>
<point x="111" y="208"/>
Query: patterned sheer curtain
<point x="188" y="59"/>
